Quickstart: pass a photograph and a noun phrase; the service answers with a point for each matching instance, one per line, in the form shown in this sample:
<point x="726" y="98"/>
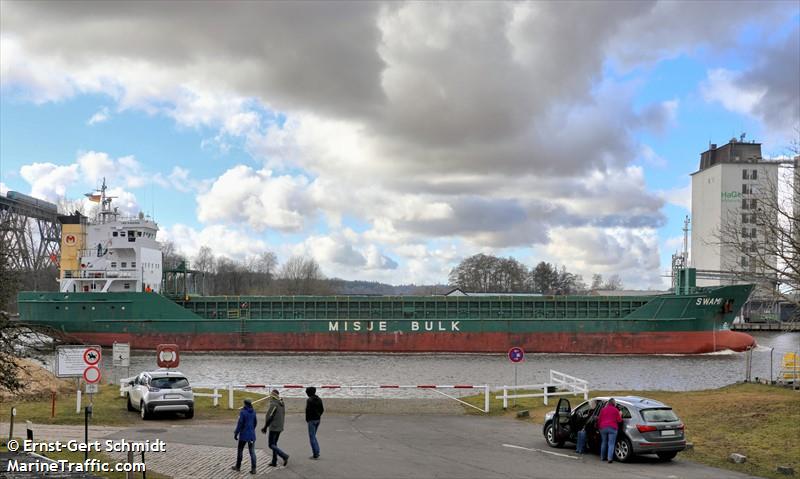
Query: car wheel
<point x="623" y="450"/>
<point x="130" y="406"/>
<point x="190" y="413"/>
<point x="667" y="456"/>
<point x="143" y="411"/>
<point x="550" y="436"/>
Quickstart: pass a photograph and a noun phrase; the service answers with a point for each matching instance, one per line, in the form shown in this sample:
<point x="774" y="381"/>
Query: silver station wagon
<point x="648" y="427"/>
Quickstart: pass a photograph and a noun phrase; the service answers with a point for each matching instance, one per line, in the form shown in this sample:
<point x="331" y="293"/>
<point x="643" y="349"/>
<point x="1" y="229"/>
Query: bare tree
<point x="301" y="275"/>
<point x="765" y="240"/>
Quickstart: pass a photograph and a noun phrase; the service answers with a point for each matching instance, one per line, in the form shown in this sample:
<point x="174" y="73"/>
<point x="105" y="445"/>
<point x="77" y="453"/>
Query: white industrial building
<point x="726" y="190"/>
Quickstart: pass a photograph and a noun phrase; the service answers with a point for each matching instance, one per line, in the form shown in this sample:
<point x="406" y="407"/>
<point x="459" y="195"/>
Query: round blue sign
<point x="516" y="355"/>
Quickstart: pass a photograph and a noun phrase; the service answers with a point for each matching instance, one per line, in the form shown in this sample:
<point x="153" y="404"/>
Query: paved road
<point x="382" y="446"/>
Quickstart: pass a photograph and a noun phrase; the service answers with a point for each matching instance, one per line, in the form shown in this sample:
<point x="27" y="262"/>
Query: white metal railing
<point x="562" y="385"/>
<point x="124" y="387"/>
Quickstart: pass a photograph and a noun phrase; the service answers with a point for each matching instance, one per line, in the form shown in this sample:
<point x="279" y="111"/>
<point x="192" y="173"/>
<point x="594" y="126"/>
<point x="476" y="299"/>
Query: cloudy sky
<point x="390" y="140"/>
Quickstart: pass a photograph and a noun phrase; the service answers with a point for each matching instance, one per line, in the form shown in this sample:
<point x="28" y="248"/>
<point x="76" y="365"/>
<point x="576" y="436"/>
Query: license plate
<point x="172" y="396"/>
<point x="668" y="432"/>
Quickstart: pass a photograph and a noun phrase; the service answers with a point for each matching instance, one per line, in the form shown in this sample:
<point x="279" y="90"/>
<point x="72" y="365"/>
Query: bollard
<point x="11" y="424"/>
<point x="130" y="474"/>
<point x="29" y="430"/>
<point x="230" y="396"/>
<point x="486" y="394"/>
<point x="215" y="401"/>
<point x="52" y="404"/>
<point x="86" y="415"/>
<point x="144" y="472"/>
<point x="505" y="397"/>
<point x="78" y="403"/>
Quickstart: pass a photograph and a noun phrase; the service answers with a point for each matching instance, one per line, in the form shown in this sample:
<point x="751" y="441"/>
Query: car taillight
<point x="152" y="389"/>
<point x="645" y="428"/>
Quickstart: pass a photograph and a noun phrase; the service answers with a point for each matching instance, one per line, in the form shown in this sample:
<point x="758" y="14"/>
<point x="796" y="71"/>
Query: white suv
<point x="158" y="391"/>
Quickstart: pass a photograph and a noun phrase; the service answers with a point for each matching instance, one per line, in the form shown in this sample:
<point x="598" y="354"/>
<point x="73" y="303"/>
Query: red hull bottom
<point x="694" y="342"/>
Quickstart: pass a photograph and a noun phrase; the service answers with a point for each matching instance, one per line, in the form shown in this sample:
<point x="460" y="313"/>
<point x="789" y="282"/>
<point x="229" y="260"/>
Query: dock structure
<point x="790" y="326"/>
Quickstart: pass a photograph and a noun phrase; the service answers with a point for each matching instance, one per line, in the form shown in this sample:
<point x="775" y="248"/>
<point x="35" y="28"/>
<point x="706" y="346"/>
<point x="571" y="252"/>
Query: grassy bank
<point x="761" y="422"/>
<point x="109" y="409"/>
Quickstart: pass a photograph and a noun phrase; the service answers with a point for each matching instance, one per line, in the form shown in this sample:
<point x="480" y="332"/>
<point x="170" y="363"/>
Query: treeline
<point x="489" y="274"/>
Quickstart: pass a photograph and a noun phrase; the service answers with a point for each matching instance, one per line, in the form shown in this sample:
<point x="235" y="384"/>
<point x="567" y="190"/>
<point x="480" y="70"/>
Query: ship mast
<point x="106" y="214"/>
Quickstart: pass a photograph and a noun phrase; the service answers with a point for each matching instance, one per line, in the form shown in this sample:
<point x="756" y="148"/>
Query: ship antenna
<point x="686" y="222"/>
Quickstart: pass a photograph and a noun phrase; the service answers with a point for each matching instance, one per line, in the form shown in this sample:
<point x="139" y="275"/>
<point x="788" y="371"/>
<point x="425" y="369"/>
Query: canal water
<point x="661" y="372"/>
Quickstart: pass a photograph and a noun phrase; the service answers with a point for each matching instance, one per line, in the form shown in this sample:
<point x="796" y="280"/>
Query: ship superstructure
<point x="110" y="254"/>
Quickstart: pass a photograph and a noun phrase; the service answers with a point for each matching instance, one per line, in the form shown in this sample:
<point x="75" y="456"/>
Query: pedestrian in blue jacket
<point x="246" y="434"/>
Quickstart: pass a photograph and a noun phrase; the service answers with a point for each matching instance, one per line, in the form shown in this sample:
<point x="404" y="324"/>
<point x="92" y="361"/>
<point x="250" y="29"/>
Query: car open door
<point x="562" y="420"/>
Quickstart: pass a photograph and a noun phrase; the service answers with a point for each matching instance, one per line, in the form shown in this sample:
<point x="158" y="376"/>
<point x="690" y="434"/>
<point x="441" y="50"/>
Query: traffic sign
<point x="70" y="361"/>
<point x="92" y="355"/>
<point x="122" y="355"/>
<point x="167" y="356"/>
<point x="91" y="375"/>
<point x="92" y="388"/>
<point x="516" y="355"/>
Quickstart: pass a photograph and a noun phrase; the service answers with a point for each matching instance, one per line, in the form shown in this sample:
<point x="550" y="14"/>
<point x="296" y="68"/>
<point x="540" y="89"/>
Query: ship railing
<point x="257" y="388"/>
<point x="101" y="273"/>
<point x="560" y="384"/>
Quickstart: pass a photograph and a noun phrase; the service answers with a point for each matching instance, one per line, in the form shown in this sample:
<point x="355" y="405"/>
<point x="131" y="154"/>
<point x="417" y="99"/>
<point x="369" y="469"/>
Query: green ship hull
<point x="695" y="322"/>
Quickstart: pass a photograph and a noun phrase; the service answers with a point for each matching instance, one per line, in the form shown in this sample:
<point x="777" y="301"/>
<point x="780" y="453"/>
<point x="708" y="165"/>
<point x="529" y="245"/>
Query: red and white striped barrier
<point x="434" y="387"/>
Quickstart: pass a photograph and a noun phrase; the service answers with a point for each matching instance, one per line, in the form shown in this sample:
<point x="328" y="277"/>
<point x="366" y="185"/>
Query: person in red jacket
<point x="608" y="424"/>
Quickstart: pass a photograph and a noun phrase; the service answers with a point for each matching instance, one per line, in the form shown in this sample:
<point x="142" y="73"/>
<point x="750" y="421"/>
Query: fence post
<point x="486" y="394"/>
<point x="546" y="388"/>
<point x="130" y="474"/>
<point x="216" y="398"/>
<point x="505" y="397"/>
<point x="230" y="396"/>
<point x="585" y="392"/>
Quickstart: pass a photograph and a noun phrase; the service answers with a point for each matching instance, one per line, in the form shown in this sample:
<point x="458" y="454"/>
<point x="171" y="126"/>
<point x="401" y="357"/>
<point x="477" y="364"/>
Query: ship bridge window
<point x="138" y="233"/>
<point x="126" y="285"/>
<point x="133" y="264"/>
<point x="124" y="264"/>
<point x="115" y="234"/>
<point x="122" y="233"/>
<point x="131" y="238"/>
<point x="113" y="264"/>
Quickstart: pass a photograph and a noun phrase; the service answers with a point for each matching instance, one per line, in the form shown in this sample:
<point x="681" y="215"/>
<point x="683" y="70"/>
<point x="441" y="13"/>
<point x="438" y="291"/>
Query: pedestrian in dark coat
<point x="314" y="410"/>
<point x="275" y="416"/>
<point x="245" y="433"/>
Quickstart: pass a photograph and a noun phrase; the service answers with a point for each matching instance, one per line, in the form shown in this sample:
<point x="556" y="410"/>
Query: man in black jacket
<point x="314" y="410"/>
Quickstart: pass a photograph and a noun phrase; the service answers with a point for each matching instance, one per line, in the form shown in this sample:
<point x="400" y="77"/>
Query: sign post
<point x="515" y="355"/>
<point x="121" y="353"/>
<point x="73" y="361"/>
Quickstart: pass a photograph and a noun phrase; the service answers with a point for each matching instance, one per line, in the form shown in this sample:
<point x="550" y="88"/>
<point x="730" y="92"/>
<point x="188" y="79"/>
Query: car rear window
<point x="659" y="415"/>
<point x="169" y="383"/>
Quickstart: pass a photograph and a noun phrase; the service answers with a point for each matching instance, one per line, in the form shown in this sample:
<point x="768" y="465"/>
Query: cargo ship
<point x="113" y="289"/>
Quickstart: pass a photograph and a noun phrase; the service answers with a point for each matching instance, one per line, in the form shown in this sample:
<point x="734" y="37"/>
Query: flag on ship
<point x="93" y="197"/>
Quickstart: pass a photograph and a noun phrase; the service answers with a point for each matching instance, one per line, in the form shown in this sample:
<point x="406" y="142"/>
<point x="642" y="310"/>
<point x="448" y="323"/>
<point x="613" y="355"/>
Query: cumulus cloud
<point x="49" y="181"/>
<point x="769" y="90"/>
<point x="225" y="241"/>
<point x="258" y="198"/>
<point x="100" y="116"/>
<point x="481" y="125"/>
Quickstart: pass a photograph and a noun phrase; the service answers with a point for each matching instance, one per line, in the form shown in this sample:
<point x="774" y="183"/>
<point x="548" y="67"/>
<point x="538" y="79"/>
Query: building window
<point x="753" y="219"/>
<point x="754" y="175"/>
<point x="744" y="262"/>
<point x="753" y="247"/>
<point x="745" y="218"/>
<point x="744" y="232"/>
<point x="744" y="174"/>
<point x="753" y="204"/>
<point x="752" y="232"/>
<point x="744" y="204"/>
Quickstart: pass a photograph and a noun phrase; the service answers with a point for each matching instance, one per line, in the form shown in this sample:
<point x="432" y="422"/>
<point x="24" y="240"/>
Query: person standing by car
<point x="608" y="424"/>
<point x="275" y="416"/>
<point x="245" y="433"/>
<point x="314" y="410"/>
